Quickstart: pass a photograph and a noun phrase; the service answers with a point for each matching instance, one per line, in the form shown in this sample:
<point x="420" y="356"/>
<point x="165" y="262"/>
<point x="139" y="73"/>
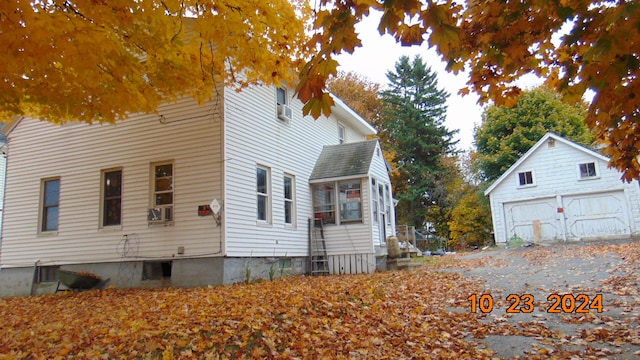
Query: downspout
<point x="4" y="182"/>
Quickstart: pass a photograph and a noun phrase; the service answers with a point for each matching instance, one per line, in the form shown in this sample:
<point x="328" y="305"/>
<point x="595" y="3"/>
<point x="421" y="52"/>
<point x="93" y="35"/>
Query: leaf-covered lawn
<point x="384" y="315"/>
<point x="393" y="315"/>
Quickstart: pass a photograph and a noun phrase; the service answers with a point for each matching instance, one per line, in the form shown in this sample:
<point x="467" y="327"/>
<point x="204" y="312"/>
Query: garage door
<point x="526" y="218"/>
<point x="596" y="215"/>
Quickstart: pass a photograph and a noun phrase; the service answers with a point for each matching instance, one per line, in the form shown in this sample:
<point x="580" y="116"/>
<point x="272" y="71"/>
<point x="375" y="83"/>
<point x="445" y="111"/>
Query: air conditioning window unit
<point x="284" y="113"/>
<point x="160" y="215"/>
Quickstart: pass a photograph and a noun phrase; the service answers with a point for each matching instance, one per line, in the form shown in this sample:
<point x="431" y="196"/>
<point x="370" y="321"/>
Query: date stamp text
<point x="525" y="303"/>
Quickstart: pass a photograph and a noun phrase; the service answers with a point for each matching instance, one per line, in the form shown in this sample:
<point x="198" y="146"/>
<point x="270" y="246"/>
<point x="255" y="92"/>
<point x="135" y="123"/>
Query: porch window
<point x="262" y="193"/>
<point x="289" y="203"/>
<point x="350" y="201"/>
<point x="587" y="170"/>
<point x="50" y="205"/>
<point x="162" y="196"/>
<point x="374" y="200"/>
<point x="324" y="202"/>
<point x="388" y="203"/>
<point x="111" y="197"/>
<point x="525" y="178"/>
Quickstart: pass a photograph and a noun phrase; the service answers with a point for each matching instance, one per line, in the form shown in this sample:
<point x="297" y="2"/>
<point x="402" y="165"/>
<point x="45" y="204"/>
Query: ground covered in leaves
<point x="396" y="315"/>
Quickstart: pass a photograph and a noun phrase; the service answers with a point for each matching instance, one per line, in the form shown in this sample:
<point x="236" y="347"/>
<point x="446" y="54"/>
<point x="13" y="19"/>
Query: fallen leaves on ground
<point x="383" y="315"/>
<point x="388" y="315"/>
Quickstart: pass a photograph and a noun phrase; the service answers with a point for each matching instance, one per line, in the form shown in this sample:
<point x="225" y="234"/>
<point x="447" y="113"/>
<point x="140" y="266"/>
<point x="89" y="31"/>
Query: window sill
<point x="348" y="222"/>
<point x="527" y="186"/>
<point x="47" y="233"/>
<point x="112" y="228"/>
<point x="263" y="224"/>
<point x="158" y="224"/>
<point x="589" y="178"/>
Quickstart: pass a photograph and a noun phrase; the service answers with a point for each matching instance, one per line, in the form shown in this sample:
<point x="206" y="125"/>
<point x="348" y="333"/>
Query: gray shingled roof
<point x="342" y="160"/>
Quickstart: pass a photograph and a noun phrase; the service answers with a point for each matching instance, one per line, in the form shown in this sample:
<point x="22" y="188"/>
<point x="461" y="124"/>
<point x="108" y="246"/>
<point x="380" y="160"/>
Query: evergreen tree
<point x="412" y="126"/>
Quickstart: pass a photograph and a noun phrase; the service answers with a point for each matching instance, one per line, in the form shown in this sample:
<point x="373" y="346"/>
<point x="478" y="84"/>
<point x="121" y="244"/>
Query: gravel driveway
<point x="536" y="309"/>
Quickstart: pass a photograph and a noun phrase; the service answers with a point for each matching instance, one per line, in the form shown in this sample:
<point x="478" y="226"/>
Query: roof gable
<point x="535" y="147"/>
<point x="344" y="160"/>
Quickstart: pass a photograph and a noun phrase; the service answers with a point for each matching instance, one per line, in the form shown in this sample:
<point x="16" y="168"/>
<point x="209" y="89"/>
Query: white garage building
<point x="560" y="191"/>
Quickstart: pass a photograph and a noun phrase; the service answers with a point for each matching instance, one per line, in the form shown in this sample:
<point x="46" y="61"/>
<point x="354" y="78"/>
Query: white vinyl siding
<point x="284" y="149"/>
<point x="379" y="173"/>
<point x="188" y="134"/>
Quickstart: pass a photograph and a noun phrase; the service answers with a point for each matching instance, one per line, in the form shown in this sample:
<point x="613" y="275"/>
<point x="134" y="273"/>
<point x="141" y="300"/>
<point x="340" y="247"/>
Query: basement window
<point x="156" y="270"/>
<point x="47" y="273"/>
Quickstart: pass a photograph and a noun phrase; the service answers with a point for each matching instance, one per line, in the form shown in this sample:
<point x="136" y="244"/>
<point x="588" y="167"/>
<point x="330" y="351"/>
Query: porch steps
<point x="402" y="264"/>
<point x="318" y="260"/>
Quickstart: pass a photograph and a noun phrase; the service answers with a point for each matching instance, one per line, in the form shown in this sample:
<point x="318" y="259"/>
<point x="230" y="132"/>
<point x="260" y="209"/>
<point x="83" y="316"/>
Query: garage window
<point x="588" y="170"/>
<point x="525" y="178"/>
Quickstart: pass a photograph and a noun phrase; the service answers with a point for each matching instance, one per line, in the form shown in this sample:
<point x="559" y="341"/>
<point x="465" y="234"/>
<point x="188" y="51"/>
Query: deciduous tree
<point x="361" y="94"/>
<point x="576" y="45"/>
<point x="506" y="133"/>
<point x="470" y="220"/>
<point x="102" y="60"/>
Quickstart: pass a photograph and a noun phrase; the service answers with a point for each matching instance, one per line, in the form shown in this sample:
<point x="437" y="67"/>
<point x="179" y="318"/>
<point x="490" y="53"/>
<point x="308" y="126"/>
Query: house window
<point x="324" y="202"/>
<point x="525" y="178"/>
<point x="281" y="96"/>
<point x="50" y="205"/>
<point x="47" y="273"/>
<point x="162" y="197"/>
<point x="342" y="131"/>
<point x="262" y="192"/>
<point x="111" y="197"/>
<point x="350" y="201"/>
<point x="587" y="170"/>
<point x="388" y="203"/>
<point x="289" y="203"/>
<point x="156" y="270"/>
<point x="374" y="200"/>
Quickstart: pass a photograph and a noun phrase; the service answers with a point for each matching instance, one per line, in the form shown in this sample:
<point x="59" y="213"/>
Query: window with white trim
<point x="162" y="192"/>
<point x="50" y="205"/>
<point x="281" y="96"/>
<point x="111" y="197"/>
<point x="349" y="195"/>
<point x="587" y="170"/>
<point x="525" y="178"/>
<point x="263" y="196"/>
<point x="324" y="204"/>
<point x="388" y="203"/>
<point x="350" y="200"/>
<point x="342" y="133"/>
<point x="374" y="200"/>
<point x="289" y="200"/>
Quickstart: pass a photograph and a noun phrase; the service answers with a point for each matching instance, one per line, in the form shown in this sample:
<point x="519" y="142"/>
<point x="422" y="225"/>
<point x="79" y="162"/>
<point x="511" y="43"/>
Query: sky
<point x="379" y="54"/>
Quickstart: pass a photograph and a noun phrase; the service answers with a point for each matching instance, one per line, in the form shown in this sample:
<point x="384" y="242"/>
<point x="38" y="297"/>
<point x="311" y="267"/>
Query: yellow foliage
<point x="500" y="41"/>
<point x="103" y="60"/>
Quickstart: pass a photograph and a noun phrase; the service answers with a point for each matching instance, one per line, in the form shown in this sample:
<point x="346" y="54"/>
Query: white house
<point x="561" y="191"/>
<point x="194" y="195"/>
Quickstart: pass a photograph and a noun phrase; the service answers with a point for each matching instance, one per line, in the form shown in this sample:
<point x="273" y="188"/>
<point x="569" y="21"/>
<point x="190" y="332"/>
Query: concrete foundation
<point x="160" y="273"/>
